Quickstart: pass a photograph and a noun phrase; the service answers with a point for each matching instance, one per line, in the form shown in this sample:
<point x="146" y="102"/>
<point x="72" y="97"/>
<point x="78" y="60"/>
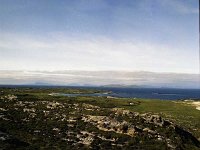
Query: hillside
<point x="32" y="119"/>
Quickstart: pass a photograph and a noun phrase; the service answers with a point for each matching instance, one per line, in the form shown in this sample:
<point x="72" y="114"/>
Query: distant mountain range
<point x="101" y="78"/>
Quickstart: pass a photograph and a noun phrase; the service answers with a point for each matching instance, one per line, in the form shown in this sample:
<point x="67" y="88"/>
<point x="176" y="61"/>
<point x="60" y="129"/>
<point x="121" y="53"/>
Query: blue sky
<point x="133" y="35"/>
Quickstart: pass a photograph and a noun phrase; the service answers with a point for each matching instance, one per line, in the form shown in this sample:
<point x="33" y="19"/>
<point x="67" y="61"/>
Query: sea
<point x="147" y="93"/>
<point x="155" y="93"/>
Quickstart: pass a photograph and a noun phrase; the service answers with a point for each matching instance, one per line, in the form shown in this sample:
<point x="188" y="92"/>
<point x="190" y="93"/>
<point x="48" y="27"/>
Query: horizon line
<point x="170" y="72"/>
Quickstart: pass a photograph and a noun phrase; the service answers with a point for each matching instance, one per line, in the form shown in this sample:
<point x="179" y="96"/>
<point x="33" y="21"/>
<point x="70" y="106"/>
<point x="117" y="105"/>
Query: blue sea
<point x="149" y="93"/>
<point x="155" y="93"/>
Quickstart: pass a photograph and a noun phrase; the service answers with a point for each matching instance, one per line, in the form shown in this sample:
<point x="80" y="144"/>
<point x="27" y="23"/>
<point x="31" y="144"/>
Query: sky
<point x="101" y="78"/>
<point x="97" y="35"/>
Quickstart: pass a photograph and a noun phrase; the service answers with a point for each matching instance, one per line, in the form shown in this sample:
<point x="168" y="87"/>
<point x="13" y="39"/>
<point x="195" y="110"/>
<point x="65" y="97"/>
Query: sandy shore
<point x="197" y="104"/>
<point x="193" y="103"/>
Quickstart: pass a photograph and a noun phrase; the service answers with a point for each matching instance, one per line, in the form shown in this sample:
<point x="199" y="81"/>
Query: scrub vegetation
<point x="33" y="118"/>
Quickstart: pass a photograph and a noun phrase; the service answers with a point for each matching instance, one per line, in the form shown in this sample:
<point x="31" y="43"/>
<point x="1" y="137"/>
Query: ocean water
<point x="155" y="93"/>
<point x="149" y="93"/>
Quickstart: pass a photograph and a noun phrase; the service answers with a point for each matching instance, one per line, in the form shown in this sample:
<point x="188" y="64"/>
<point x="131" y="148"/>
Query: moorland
<point x="34" y="118"/>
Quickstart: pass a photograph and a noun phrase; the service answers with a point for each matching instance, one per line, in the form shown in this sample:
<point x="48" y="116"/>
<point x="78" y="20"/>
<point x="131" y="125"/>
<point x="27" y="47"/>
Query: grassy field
<point x="32" y="117"/>
<point x="185" y="115"/>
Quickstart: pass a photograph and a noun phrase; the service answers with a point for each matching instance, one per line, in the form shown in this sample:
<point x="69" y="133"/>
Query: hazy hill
<point x="101" y="78"/>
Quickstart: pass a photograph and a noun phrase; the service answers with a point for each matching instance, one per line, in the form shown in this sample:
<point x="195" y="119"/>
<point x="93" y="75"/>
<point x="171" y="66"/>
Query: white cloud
<point x="20" y="52"/>
<point x="101" y="78"/>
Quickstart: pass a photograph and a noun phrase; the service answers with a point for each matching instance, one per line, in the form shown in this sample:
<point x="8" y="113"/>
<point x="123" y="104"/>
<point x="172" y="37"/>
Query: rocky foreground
<point x="31" y="122"/>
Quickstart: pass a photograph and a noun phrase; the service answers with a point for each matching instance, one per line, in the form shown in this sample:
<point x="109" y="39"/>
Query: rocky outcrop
<point x="107" y="124"/>
<point x="150" y="124"/>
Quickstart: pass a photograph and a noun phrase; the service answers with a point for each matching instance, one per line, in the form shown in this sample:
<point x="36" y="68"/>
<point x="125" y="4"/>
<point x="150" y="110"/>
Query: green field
<point x="32" y="119"/>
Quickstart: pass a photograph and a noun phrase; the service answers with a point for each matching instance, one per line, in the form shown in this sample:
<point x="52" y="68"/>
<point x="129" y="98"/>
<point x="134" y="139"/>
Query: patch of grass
<point x="184" y="115"/>
<point x="39" y="130"/>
